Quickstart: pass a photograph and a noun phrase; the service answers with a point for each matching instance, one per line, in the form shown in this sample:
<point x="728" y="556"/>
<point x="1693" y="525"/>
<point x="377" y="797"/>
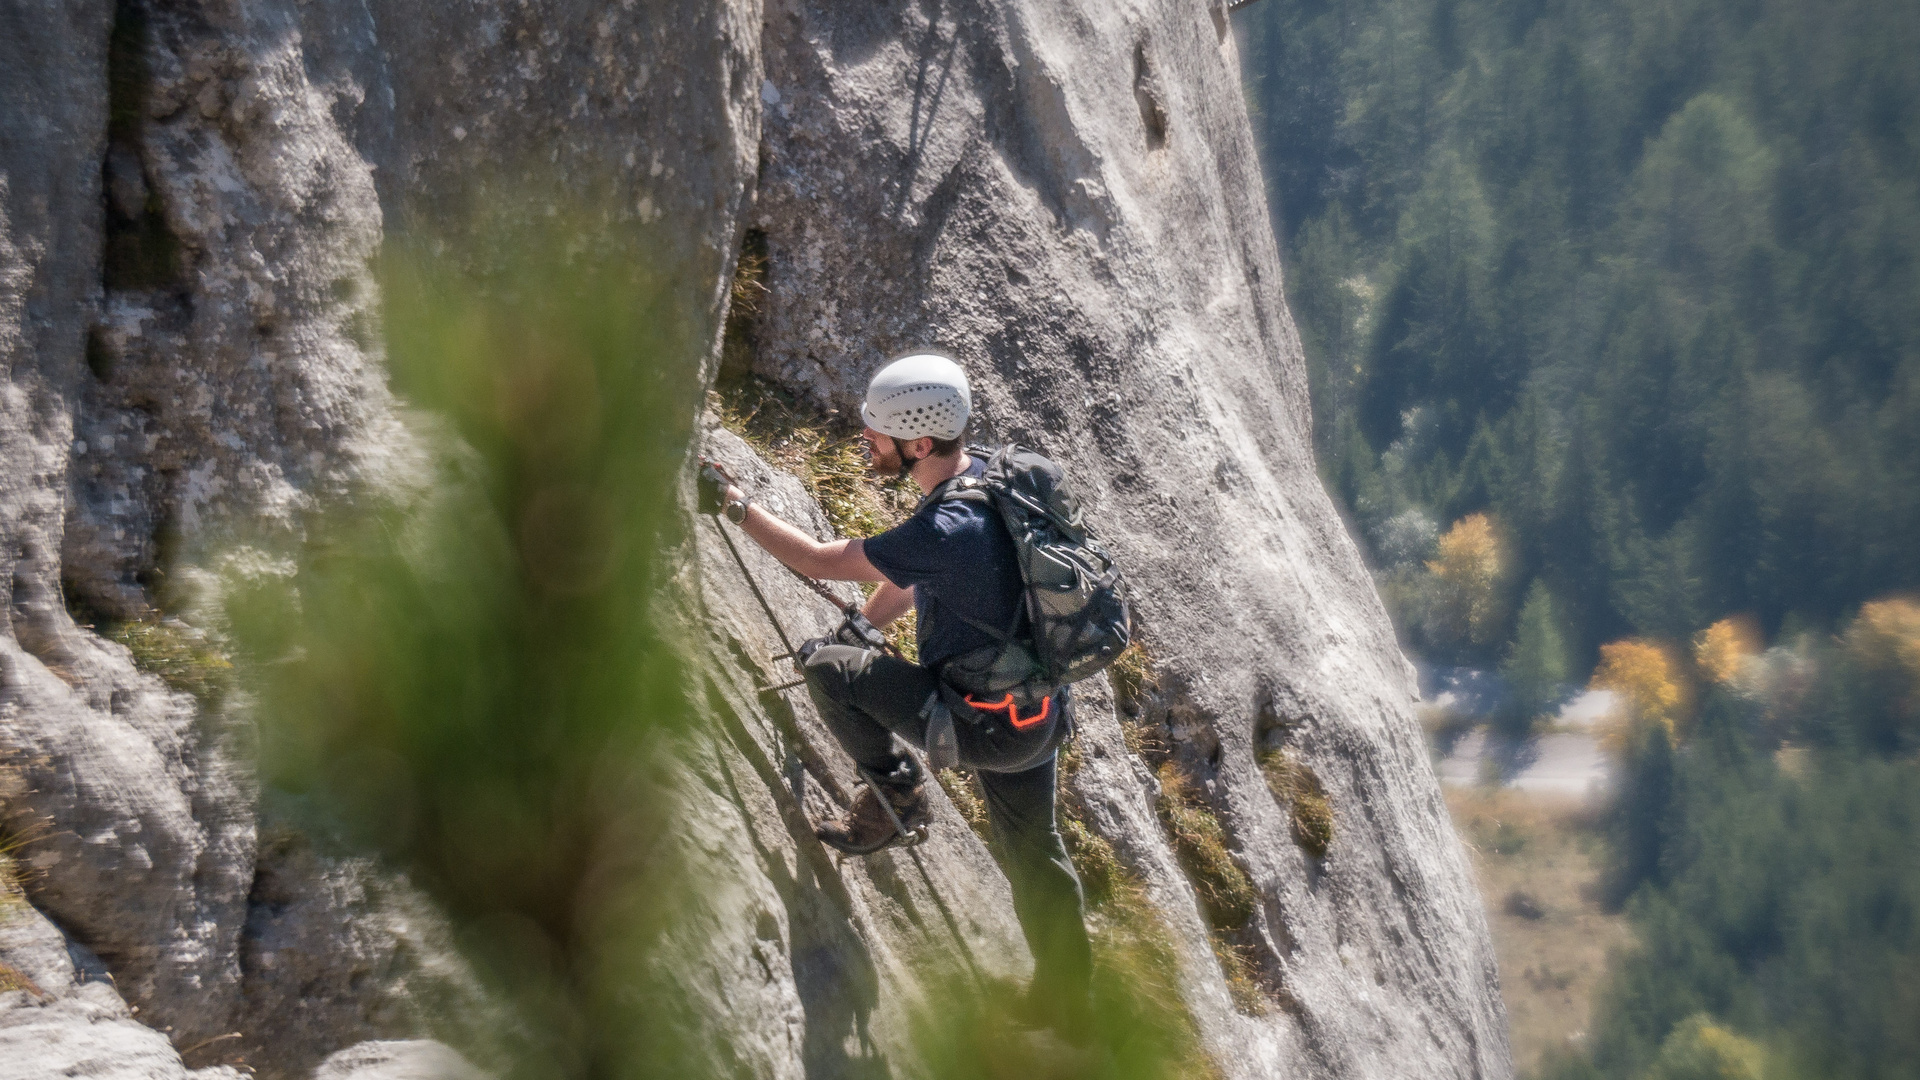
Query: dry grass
<point x="1537" y="859"/>
<point x="1201" y="846"/>
<point x="11" y="979"/>
<point x="1227" y="896"/>
<point x="1298" y="788"/>
<point x="1136" y="967"/>
<point x="13" y="877"/>
<point x="824" y="451"/>
<point x="1147" y="742"/>
<point x="1133" y="677"/>
<point x="963" y="790"/>
<point x="182" y="658"/>
<point x="1239" y="966"/>
<point x="12" y="895"/>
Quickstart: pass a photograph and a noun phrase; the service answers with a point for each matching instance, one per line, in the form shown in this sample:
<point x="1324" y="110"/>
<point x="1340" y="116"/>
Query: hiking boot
<point x="866" y="827"/>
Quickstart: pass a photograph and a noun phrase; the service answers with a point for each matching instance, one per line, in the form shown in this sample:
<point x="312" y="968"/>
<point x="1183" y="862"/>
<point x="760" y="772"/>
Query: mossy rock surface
<point x="1299" y="789"/>
<point x="1200" y="843"/>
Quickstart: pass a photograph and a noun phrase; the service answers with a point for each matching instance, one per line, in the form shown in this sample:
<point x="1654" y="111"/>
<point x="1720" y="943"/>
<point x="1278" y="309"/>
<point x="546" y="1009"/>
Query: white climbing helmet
<point x="922" y="393"/>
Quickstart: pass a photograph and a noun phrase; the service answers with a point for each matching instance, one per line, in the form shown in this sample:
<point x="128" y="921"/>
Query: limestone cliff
<point x="1068" y="198"/>
<point x="1065" y="196"/>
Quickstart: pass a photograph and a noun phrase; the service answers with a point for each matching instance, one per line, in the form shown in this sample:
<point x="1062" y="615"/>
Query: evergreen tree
<point x="1641" y="280"/>
<point x="1537" y="670"/>
<point x="1645" y="272"/>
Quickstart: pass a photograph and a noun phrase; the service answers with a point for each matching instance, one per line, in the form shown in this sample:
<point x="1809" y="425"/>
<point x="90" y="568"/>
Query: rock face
<point x="397" y="1059"/>
<point x="1064" y="195"/>
<point x="150" y="857"/>
<point x="59" y="1015"/>
<point x="1067" y="197"/>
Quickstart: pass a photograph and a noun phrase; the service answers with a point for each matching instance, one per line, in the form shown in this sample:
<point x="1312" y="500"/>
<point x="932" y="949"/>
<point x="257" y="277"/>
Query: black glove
<point x="859" y="633"/>
<point x="712" y="486"/>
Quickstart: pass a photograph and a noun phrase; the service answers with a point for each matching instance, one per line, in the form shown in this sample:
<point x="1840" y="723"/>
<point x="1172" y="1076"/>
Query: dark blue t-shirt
<point x="957" y="557"/>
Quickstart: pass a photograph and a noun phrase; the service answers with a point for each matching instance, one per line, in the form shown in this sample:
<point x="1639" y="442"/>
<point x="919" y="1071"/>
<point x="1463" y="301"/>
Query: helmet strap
<point x="906" y="463"/>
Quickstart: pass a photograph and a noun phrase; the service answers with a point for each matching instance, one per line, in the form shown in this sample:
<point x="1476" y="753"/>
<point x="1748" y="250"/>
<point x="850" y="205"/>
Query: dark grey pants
<point x="867" y="697"/>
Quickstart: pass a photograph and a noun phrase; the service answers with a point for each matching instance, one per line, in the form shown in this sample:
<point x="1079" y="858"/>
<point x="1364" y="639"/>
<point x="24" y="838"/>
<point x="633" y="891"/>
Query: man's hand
<point x="833" y="560"/>
<point x="859" y="633"/>
<point x="713" y="485"/>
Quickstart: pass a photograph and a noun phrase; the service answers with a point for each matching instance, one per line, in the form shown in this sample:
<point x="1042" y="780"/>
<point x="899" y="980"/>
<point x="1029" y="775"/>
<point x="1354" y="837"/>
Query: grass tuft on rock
<point x="1240" y="968"/>
<point x="1298" y="788"/>
<point x="825" y="452"/>
<point x="12" y="881"/>
<point x="1133" y="677"/>
<point x="11" y="979"/>
<point x="1225" y="891"/>
<point x="963" y="790"/>
<point x="182" y="657"/>
<point x="1227" y="896"/>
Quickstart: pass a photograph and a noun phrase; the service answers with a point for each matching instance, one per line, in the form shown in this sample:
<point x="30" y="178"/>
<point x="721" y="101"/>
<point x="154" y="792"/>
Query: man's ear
<point x="922" y="447"/>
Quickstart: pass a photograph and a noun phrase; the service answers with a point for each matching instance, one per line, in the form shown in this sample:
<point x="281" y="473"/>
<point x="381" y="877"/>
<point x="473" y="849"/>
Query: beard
<point x="884" y="460"/>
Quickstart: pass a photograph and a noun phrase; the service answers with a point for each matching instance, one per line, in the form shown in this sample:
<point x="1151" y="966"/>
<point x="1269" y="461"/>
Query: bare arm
<point x="835" y="560"/>
<point x="887" y="603"/>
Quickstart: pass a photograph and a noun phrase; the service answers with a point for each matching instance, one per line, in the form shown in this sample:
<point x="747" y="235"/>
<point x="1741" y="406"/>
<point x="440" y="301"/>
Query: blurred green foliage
<point x="480" y="680"/>
<point x="1638" y="277"/>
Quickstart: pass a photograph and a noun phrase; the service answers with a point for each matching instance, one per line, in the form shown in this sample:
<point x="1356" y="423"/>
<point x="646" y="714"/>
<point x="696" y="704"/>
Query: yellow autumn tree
<point x="1699" y="1049"/>
<point x="1473" y="567"/>
<point x="1884" y="641"/>
<point x="1722" y="650"/>
<point x="1650" y="680"/>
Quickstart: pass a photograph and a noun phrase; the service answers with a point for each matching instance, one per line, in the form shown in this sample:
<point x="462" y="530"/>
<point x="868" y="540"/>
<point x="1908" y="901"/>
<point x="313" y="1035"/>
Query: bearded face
<point x="884" y="458"/>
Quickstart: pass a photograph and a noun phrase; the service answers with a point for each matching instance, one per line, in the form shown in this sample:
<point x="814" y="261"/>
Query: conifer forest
<point x="1611" y="310"/>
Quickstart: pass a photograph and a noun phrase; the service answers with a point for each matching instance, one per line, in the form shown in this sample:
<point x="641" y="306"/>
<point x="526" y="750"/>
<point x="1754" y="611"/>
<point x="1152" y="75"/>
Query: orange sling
<point x="1013" y="713"/>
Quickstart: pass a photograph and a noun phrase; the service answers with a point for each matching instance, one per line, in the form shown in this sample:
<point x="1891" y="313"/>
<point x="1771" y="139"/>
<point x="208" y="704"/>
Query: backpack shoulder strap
<point x="968" y="488"/>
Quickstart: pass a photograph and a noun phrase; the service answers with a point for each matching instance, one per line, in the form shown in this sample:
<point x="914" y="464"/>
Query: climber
<point x="953" y="561"/>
